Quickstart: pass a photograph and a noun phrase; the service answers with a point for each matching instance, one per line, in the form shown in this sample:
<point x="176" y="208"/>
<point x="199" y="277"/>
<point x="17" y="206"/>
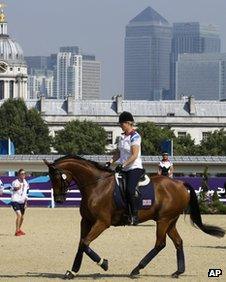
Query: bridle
<point x="65" y="183"/>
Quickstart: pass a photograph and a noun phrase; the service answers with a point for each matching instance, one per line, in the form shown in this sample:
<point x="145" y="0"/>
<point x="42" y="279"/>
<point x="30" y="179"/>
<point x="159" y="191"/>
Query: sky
<point x="98" y="27"/>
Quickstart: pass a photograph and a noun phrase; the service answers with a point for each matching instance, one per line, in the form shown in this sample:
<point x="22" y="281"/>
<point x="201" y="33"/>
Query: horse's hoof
<point x="69" y="275"/>
<point x="104" y="264"/>
<point x="135" y="271"/>
<point x="176" y="274"/>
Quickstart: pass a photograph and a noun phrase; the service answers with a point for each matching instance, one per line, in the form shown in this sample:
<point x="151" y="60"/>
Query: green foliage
<point x="24" y="127"/>
<point x="211" y="205"/>
<point x="205" y="186"/>
<point x="152" y="137"/>
<point x="184" y="146"/>
<point x="81" y="138"/>
<point x="208" y="204"/>
<point x="214" y="145"/>
<point x="203" y="203"/>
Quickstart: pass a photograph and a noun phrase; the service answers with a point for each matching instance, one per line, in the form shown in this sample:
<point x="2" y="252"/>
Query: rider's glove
<point x="119" y="168"/>
<point x="107" y="164"/>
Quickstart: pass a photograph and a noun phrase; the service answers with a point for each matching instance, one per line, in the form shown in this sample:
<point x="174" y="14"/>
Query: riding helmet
<point x="125" y="116"/>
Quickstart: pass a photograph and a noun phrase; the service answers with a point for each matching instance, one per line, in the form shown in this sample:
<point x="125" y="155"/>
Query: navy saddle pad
<point x="146" y="197"/>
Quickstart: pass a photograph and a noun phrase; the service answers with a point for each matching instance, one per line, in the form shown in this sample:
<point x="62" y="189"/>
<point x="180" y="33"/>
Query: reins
<point x="67" y="184"/>
<point x="97" y="180"/>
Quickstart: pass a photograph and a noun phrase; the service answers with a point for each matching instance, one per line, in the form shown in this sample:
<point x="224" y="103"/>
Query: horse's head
<point x="60" y="179"/>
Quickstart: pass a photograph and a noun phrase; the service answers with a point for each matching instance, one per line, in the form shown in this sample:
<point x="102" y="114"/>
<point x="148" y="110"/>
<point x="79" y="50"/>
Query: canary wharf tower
<point x="13" y="69"/>
<point x="147" y="56"/>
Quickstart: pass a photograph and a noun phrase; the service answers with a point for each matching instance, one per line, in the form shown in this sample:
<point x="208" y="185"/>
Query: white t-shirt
<point x="165" y="166"/>
<point x="124" y="146"/>
<point x="20" y="195"/>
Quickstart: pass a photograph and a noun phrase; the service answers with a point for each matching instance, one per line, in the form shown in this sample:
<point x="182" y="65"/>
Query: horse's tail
<point x="195" y="215"/>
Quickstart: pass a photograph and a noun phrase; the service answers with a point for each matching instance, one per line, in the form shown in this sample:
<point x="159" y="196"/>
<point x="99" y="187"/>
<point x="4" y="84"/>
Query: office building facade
<point x="202" y="76"/>
<point x="192" y="37"/>
<point x="40" y="86"/>
<point x="69" y="75"/>
<point x="91" y="77"/>
<point x="147" y="56"/>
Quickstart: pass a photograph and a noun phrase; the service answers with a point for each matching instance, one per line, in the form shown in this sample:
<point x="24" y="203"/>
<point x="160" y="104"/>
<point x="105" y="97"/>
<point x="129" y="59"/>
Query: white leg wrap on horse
<point x="100" y="262"/>
<point x="74" y="273"/>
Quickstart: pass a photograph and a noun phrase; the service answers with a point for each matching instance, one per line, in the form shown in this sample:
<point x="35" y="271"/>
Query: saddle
<point x="144" y="191"/>
<point x="121" y="182"/>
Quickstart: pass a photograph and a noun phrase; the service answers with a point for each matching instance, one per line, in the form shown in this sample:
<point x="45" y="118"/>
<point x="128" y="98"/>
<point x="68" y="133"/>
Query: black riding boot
<point x="134" y="210"/>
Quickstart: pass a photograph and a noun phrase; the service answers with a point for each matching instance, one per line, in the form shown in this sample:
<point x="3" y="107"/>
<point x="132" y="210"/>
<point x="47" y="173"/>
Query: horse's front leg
<point x="92" y="232"/>
<point x="85" y="229"/>
<point x="95" y="231"/>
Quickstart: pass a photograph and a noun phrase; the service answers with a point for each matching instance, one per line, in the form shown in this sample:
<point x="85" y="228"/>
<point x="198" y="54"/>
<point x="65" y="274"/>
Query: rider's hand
<point x="107" y="164"/>
<point x="119" y="168"/>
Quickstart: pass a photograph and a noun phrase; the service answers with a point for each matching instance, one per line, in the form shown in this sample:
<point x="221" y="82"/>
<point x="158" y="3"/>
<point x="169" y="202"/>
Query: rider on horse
<point x="129" y="156"/>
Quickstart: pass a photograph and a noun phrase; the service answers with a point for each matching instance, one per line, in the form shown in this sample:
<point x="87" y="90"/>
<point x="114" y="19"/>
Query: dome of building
<point x="10" y="50"/>
<point x="13" y="69"/>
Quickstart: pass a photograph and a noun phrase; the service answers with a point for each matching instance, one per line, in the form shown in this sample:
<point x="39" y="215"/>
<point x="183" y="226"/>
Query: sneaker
<point x="17" y="233"/>
<point x="21" y="232"/>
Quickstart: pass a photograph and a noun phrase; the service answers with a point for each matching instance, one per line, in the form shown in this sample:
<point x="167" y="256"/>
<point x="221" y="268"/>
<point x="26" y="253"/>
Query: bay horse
<point x="98" y="210"/>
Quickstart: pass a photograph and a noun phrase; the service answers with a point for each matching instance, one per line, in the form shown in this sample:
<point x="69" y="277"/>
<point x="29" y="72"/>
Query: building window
<point x="109" y="137"/>
<point x="205" y="135"/>
<point x="2" y="90"/>
<point x="11" y="89"/>
<point x="170" y="114"/>
<point x="181" y="134"/>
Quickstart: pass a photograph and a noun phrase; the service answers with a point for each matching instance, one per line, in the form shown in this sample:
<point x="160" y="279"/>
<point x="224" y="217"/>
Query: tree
<point x="184" y="146"/>
<point x="152" y="137"/>
<point x="26" y="128"/>
<point x="81" y="138"/>
<point x="36" y="127"/>
<point x="214" y="144"/>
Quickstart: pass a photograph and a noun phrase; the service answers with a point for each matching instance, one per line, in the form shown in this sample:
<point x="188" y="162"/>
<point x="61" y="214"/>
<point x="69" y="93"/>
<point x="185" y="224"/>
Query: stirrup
<point x="135" y="220"/>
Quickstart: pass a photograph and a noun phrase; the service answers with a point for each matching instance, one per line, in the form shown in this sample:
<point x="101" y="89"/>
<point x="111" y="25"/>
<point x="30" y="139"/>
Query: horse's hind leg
<point x="85" y="229"/>
<point x="162" y="227"/>
<point x="178" y="243"/>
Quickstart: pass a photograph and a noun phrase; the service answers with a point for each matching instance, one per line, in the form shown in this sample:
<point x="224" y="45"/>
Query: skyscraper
<point x="40" y="85"/>
<point x="71" y="49"/>
<point x="192" y="37"/>
<point x="69" y="75"/>
<point x="202" y="76"/>
<point x="91" y="73"/>
<point x="147" y="56"/>
<point x="36" y="62"/>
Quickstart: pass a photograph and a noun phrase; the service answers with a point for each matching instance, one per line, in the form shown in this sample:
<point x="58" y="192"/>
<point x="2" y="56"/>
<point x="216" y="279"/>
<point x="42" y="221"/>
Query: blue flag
<point x="167" y="146"/>
<point x="7" y="147"/>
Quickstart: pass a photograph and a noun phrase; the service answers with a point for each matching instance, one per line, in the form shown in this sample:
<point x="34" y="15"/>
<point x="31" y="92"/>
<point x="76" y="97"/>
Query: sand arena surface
<point x="48" y="249"/>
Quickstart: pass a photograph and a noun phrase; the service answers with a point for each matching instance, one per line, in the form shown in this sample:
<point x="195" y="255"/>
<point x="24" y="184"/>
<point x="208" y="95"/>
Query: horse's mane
<point x="75" y="157"/>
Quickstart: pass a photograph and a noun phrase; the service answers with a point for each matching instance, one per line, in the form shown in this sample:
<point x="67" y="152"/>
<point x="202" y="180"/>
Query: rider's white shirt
<point x="124" y="146"/>
<point x="165" y="164"/>
<point x="20" y="195"/>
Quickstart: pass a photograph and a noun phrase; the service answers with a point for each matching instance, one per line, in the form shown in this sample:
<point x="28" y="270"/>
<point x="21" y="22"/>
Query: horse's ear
<point x="47" y="163"/>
